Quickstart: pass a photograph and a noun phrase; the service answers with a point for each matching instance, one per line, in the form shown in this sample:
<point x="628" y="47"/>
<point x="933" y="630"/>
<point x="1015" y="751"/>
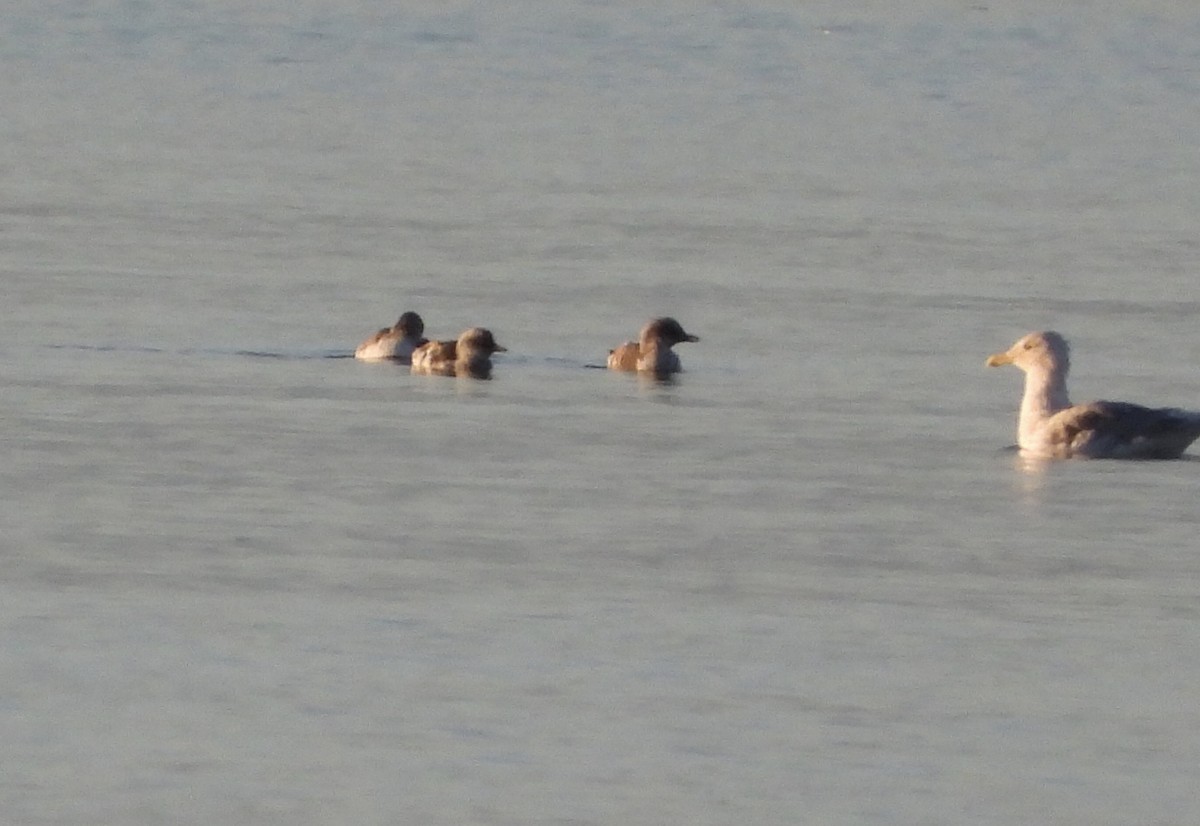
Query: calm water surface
<point x="249" y="580"/>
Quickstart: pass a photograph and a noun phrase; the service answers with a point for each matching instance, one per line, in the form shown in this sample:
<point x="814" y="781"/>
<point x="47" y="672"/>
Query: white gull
<point x="1050" y="426"/>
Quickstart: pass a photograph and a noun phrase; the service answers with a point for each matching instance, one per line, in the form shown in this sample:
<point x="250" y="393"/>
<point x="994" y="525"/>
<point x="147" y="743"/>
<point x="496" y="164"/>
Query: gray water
<point x="248" y="580"/>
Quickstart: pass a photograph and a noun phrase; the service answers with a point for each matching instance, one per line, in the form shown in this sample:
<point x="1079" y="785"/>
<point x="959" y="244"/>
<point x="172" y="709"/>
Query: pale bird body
<point x="395" y="343"/>
<point x="1050" y="426"/>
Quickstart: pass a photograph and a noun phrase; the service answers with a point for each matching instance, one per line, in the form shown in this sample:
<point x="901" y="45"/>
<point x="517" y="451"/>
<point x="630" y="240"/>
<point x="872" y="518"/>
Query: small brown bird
<point x="394" y="343"/>
<point x="652" y="353"/>
<point x="470" y="356"/>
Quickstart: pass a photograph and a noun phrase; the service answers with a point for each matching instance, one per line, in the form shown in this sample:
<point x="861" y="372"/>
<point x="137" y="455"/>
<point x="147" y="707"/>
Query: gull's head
<point x="479" y="340"/>
<point x="667" y="330"/>
<point x="1037" y="351"/>
<point x="410" y="325"/>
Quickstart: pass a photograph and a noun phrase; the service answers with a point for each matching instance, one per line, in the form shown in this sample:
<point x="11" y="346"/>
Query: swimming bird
<point x="395" y="343"/>
<point x="470" y="356"/>
<point x="652" y="352"/>
<point x="1052" y="427"/>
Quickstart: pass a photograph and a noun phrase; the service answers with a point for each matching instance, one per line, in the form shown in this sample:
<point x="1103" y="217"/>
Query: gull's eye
<point x="1029" y="345"/>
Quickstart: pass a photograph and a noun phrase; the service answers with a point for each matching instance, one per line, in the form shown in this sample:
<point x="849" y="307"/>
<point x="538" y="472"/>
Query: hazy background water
<point x="246" y="582"/>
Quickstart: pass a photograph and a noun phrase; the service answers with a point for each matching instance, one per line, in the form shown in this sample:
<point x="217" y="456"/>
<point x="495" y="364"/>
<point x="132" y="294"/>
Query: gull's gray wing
<point x="1122" y="430"/>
